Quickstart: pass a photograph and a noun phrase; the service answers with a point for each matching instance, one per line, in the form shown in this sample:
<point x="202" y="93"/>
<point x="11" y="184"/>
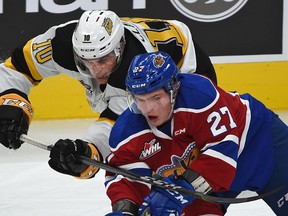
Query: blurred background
<point x="246" y="40"/>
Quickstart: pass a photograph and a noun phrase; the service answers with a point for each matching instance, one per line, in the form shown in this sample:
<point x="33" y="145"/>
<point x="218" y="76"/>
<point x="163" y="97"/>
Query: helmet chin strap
<point x="119" y="52"/>
<point x="172" y="101"/>
<point x="173" y="93"/>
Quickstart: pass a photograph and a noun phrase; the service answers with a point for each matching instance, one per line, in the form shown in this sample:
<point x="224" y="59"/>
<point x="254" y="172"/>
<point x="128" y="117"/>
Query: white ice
<point x="29" y="187"/>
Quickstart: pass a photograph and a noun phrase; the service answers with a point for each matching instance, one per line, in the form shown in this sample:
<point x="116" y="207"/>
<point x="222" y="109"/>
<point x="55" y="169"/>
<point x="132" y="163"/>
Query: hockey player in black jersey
<point x="96" y="50"/>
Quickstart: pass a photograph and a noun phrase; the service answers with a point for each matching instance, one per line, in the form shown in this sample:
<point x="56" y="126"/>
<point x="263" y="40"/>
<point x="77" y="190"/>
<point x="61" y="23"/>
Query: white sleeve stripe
<point x="119" y="178"/>
<point x="137" y="165"/>
<point x="125" y="141"/>
<point x="220" y="156"/>
<point x="245" y="131"/>
<point x="230" y="137"/>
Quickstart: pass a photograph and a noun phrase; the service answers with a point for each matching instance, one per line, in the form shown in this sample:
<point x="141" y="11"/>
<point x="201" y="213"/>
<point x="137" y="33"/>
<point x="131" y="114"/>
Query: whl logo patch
<point x="208" y="10"/>
<point x="150" y="148"/>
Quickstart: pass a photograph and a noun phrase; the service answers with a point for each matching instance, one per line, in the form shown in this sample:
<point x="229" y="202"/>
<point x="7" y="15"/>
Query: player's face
<point x="101" y="68"/>
<point x="155" y="106"/>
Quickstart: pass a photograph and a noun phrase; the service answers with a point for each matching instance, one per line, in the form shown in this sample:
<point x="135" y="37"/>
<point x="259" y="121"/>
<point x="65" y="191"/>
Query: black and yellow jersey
<point x="51" y="53"/>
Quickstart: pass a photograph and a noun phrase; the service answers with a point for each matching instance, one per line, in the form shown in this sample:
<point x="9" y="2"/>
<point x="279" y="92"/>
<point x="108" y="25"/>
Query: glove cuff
<point x="197" y="181"/>
<point x="126" y="206"/>
<point x="91" y="171"/>
<point x="16" y="100"/>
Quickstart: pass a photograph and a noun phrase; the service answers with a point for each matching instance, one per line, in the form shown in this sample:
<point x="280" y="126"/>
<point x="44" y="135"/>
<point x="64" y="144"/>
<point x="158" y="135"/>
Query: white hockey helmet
<point x="97" y="34"/>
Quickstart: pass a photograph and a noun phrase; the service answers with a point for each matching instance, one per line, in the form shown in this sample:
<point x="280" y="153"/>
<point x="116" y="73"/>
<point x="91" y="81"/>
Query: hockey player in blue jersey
<point x="195" y="135"/>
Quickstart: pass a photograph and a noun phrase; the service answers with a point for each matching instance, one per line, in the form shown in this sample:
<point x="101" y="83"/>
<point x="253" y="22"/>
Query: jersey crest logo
<point x="179" y="163"/>
<point x="150" y="148"/>
<point x="158" y="61"/>
<point x="86" y="86"/>
<point x="108" y="25"/>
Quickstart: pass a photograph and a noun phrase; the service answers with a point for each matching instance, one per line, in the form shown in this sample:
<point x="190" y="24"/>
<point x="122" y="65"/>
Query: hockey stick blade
<point x="151" y="180"/>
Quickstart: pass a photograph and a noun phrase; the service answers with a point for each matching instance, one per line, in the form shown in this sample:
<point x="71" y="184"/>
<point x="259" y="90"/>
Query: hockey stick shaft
<point x="35" y="142"/>
<point x="165" y="185"/>
<point x="147" y="179"/>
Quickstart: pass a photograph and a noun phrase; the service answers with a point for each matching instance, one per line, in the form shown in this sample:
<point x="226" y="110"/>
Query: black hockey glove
<point x="63" y="158"/>
<point x="15" y="117"/>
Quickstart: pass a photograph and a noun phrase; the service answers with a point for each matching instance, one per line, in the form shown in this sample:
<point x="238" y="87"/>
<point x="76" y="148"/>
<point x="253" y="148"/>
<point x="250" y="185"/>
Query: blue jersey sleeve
<point x="199" y="87"/>
<point x="127" y="124"/>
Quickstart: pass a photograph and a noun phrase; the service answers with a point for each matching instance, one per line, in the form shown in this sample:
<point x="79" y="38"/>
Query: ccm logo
<point x="282" y="201"/>
<point x="178" y="132"/>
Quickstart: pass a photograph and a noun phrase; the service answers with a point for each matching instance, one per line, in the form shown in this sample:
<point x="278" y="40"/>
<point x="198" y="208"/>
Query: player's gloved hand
<point x="15" y="117"/>
<point x="163" y="202"/>
<point x="63" y="158"/>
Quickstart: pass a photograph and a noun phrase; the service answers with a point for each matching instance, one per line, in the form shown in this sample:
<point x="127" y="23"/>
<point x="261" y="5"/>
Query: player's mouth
<point x="152" y="118"/>
<point x="101" y="79"/>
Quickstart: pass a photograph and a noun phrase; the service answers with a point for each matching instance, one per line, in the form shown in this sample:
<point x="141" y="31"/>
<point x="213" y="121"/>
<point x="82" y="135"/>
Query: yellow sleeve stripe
<point x="101" y="119"/>
<point x="28" y="57"/>
<point x="8" y="63"/>
<point x="184" y="44"/>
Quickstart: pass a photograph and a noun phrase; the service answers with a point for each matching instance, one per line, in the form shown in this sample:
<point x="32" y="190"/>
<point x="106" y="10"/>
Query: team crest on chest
<point x="150" y="148"/>
<point x="179" y="163"/>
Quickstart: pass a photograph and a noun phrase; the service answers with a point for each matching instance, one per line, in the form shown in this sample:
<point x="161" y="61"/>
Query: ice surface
<point x="29" y="187"/>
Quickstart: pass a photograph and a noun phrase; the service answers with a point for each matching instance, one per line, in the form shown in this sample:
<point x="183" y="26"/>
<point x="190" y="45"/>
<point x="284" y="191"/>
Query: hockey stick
<point x="151" y="180"/>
